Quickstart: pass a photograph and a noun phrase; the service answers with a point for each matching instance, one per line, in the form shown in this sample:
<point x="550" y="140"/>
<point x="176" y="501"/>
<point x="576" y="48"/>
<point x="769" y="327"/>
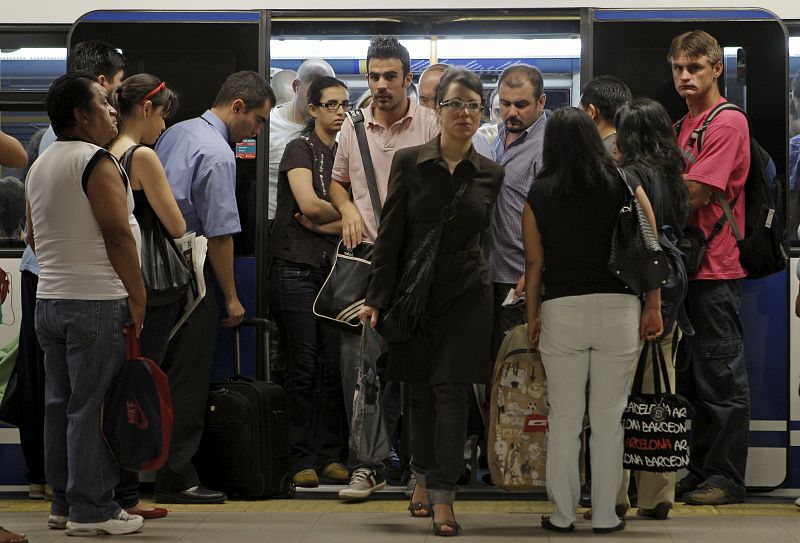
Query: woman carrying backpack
<point x="650" y="157"/>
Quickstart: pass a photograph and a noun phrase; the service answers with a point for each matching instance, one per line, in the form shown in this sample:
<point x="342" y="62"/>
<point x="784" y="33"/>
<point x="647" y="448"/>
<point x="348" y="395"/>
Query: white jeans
<point x="592" y="338"/>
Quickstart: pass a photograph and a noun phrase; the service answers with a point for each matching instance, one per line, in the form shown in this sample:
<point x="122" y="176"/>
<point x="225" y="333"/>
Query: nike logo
<point x="136" y="416"/>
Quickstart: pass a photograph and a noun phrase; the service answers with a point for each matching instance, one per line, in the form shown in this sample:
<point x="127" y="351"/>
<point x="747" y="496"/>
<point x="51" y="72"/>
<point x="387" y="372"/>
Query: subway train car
<point x="195" y="50"/>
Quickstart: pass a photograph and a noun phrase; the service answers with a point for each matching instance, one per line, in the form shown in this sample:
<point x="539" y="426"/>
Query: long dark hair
<point x="135" y="89"/>
<point x="575" y="155"/>
<point x="646" y="140"/>
<point x="314" y="96"/>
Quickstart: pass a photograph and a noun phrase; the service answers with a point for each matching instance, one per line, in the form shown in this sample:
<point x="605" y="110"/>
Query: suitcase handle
<point x="262" y="329"/>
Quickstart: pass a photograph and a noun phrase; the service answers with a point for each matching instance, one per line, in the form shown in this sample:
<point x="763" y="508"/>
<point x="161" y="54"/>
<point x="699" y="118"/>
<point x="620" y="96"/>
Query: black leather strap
<point x="357" y="116"/>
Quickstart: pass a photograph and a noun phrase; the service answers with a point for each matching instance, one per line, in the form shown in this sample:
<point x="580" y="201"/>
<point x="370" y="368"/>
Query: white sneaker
<point x="57" y="522"/>
<point x="123" y="523"/>
<point x="797" y="502"/>
<point x="363" y="482"/>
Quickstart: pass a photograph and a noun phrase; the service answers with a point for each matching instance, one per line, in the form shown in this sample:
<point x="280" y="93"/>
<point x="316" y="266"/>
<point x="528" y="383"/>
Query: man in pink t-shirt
<point x="716" y="377"/>
<point x="392" y="122"/>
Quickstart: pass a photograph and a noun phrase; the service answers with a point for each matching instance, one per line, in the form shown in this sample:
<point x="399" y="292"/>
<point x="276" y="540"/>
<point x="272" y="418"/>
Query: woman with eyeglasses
<point x="444" y="183"/>
<point x="302" y="247"/>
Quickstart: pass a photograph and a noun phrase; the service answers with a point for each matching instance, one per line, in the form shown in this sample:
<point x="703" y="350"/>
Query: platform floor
<point x="315" y="518"/>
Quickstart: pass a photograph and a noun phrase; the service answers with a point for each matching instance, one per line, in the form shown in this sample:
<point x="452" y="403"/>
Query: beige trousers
<point x="653" y="488"/>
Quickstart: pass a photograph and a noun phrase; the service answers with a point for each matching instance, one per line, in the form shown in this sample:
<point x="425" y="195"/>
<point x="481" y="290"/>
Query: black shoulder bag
<point x="344" y="291"/>
<point x="407" y="313"/>
<point x="164" y="270"/>
<point x="636" y="257"/>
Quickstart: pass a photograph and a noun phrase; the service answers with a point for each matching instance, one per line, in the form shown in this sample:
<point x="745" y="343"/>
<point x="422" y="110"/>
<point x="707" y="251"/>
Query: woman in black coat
<point x="450" y="349"/>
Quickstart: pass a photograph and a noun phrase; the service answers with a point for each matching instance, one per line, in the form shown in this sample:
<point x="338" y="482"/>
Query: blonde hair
<point x="694" y="45"/>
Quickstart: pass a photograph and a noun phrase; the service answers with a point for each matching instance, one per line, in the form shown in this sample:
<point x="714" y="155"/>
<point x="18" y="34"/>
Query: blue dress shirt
<point x="201" y="169"/>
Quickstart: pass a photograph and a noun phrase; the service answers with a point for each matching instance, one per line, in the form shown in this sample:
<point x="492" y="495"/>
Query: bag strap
<point x="132" y="351"/>
<point x="659" y="370"/>
<point x="357" y="117"/>
<point x="126" y="160"/>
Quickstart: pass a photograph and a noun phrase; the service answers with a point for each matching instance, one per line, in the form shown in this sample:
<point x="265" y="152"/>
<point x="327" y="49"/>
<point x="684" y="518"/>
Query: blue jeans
<point x="313" y="382"/>
<point x="438" y="431"/>
<point x="84" y="349"/>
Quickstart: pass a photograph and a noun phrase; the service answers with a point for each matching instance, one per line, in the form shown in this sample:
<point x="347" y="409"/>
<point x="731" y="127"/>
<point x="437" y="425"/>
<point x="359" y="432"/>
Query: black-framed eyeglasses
<point x="458" y="105"/>
<point x="333" y="105"/>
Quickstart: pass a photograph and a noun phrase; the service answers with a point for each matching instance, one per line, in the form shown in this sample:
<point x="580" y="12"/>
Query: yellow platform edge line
<point x="398" y="506"/>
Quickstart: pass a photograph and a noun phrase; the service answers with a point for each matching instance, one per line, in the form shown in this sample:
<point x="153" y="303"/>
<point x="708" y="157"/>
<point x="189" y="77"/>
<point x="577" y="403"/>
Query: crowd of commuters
<point x="507" y="210"/>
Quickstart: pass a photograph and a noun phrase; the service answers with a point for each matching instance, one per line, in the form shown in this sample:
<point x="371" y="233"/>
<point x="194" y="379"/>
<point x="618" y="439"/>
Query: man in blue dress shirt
<point x="201" y="168"/>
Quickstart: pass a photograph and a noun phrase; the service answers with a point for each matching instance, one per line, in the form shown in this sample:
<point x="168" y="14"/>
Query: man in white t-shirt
<point x="287" y="120"/>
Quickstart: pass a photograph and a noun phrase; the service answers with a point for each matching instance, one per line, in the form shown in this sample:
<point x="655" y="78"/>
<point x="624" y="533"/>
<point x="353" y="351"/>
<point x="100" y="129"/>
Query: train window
<point x="793" y="175"/>
<point x="735" y="76"/>
<point x="26" y="126"/>
<point x="31" y="68"/>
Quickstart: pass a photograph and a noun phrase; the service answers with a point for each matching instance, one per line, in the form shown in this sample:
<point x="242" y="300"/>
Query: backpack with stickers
<point x="517" y="440"/>
<point x="761" y="250"/>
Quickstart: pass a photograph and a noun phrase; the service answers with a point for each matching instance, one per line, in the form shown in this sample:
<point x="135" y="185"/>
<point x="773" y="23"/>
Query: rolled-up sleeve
<point x="214" y="195"/>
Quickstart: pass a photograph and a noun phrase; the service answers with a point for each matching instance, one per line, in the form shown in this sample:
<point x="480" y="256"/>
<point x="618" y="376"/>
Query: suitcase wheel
<point x="288" y="487"/>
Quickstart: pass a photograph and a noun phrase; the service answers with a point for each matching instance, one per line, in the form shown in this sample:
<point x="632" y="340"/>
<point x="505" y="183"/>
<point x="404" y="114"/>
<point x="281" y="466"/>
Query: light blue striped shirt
<point x="522" y="160"/>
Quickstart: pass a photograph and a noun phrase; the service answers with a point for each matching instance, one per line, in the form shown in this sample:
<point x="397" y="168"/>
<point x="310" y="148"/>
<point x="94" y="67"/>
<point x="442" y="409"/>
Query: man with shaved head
<point x="287" y="120"/>
<point x="281" y="84"/>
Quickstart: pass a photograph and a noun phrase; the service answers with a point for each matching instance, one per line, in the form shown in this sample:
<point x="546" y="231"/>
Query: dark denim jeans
<point x="158" y="323"/>
<point x="313" y="382"/>
<point x="714" y="379"/>
<point x="30" y="379"/>
<point x="84" y="349"/>
<point x="438" y="431"/>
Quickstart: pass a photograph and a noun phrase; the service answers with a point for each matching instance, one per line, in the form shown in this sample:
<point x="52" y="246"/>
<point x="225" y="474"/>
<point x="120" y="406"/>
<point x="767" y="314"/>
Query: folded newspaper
<point x="193" y="249"/>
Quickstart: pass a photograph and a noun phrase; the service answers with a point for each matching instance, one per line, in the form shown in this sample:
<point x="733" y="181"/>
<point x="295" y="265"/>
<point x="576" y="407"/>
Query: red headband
<point x="152" y="93"/>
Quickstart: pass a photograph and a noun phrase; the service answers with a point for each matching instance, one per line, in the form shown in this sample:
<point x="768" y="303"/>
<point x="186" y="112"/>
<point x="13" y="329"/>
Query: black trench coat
<point x="457" y="348"/>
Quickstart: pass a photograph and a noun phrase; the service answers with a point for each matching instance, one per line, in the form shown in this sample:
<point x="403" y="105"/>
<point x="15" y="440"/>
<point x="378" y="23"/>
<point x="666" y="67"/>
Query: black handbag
<point x="164" y="270"/>
<point x="407" y="313"/>
<point x="636" y="257"/>
<point x="656" y="425"/>
<point x="344" y="291"/>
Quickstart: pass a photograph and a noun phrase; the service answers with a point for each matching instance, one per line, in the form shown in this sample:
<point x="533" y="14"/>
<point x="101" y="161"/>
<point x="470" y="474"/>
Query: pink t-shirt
<point x="723" y="164"/>
<point x="419" y="126"/>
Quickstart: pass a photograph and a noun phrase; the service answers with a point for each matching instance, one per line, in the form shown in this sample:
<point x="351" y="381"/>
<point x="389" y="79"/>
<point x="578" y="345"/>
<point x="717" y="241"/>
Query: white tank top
<point x="69" y="245"/>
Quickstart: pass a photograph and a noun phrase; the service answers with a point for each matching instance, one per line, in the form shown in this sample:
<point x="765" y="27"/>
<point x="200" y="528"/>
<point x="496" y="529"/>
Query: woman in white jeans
<point x="587" y="323"/>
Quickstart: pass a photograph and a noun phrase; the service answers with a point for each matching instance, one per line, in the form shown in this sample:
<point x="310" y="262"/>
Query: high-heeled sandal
<point x="453" y="528"/>
<point x="445" y="528"/>
<point x="419" y="509"/>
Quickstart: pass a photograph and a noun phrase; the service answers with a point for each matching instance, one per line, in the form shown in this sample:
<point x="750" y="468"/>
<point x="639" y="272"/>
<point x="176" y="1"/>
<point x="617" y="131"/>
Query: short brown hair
<point x="696" y="44"/>
<point x="517" y="75"/>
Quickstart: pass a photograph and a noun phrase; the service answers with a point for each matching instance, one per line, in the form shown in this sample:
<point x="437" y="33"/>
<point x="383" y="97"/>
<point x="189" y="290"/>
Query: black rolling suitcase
<point x="245" y="445"/>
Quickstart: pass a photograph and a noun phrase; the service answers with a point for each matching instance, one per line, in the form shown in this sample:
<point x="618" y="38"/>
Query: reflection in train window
<point x="31" y="68"/>
<point x="27" y="127"/>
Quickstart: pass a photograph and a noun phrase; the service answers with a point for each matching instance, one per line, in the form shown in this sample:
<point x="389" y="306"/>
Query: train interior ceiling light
<point x="422" y="48"/>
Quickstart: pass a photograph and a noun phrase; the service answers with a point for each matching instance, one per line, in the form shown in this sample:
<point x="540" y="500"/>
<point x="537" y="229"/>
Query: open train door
<point x="633" y="45"/>
<point x="193" y="52"/>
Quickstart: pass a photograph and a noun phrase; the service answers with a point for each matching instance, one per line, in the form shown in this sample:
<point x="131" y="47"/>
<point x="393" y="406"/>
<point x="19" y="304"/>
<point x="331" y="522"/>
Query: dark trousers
<point x="715" y="381"/>
<point x="438" y="431"/>
<point x="158" y="322"/>
<point x="505" y="318"/>
<point x="313" y="382"/>
<point x="188" y="363"/>
<point x="30" y="380"/>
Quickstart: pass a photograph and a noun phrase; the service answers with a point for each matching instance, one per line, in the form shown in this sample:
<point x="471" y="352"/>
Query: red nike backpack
<point x="136" y="417"/>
